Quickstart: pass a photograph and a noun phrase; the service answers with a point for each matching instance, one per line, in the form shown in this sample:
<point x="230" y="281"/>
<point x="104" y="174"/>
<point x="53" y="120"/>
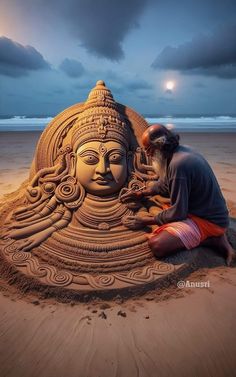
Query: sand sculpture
<point x="67" y="229"/>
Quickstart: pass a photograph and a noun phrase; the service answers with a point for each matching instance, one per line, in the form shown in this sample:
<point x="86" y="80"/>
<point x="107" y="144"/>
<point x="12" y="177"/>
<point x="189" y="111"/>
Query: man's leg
<point x="164" y="244"/>
<point x="222" y="244"/>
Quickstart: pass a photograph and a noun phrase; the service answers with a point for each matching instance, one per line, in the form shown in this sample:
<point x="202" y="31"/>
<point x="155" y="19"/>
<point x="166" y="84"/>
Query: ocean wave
<point x="18" y="119"/>
<point x="195" y="120"/>
<point x="195" y="124"/>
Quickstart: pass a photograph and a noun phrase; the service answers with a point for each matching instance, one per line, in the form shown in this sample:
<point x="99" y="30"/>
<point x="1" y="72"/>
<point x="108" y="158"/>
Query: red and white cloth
<point x="191" y="231"/>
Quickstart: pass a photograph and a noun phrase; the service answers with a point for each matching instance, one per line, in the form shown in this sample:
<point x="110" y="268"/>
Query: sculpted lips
<point x="102" y="181"/>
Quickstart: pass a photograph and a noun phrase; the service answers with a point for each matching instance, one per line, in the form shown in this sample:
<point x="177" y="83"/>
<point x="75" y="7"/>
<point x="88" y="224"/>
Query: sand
<point x="16" y="154"/>
<point x="191" y="334"/>
<point x="173" y="332"/>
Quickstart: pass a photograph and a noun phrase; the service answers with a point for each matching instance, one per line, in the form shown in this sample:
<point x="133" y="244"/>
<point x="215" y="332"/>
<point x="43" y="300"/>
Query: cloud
<point x="222" y="71"/>
<point x="210" y="55"/>
<point x="101" y="26"/>
<point x="17" y="60"/>
<point x="73" y="68"/>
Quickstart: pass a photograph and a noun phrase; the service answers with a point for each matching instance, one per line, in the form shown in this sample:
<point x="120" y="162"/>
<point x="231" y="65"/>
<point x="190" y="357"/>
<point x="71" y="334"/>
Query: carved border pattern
<point x="62" y="278"/>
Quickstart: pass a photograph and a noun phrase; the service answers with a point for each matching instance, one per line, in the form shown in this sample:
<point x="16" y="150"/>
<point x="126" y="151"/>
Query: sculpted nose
<point x="102" y="166"/>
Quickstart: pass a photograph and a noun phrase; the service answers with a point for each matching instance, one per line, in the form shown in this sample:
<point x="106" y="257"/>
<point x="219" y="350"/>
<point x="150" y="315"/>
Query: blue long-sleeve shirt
<point x="193" y="189"/>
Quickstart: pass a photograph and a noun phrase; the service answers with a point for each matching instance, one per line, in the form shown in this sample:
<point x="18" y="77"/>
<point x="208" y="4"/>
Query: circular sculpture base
<point x="66" y="271"/>
<point x="32" y="275"/>
<point x="103" y="277"/>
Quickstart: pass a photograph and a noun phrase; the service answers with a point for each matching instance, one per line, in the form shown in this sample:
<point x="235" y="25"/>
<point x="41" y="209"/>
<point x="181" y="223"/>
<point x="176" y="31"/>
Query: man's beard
<point x="159" y="163"/>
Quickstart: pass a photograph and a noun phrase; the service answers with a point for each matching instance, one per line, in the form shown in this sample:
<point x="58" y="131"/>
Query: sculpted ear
<point x="73" y="159"/>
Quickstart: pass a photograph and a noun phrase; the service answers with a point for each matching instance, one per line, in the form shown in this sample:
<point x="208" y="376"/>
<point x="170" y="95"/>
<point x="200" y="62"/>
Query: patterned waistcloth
<point x="191" y="231"/>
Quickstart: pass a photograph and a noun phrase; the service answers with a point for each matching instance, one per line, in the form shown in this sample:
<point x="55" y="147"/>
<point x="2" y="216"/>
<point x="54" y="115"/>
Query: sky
<point x="52" y="52"/>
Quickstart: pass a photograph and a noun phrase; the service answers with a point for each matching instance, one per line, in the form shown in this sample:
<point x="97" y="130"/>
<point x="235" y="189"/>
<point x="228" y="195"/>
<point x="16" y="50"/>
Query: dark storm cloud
<point x="212" y="55"/>
<point x="72" y="68"/>
<point x="100" y="27"/>
<point x="222" y="71"/>
<point x="17" y="60"/>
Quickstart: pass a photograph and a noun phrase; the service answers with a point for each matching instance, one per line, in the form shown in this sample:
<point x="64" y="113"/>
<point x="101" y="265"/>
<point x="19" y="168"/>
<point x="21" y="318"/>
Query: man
<point x="197" y="214"/>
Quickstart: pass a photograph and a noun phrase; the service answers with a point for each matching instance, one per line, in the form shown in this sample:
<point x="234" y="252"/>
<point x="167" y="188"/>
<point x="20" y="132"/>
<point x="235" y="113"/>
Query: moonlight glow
<point x="170" y="85"/>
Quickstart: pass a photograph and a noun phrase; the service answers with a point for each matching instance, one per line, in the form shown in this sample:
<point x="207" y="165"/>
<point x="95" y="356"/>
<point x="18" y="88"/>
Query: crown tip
<point x="100" y="82"/>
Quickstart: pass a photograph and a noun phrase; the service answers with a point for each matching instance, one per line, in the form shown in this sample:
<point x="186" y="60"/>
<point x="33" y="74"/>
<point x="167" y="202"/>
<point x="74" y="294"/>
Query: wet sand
<point x="175" y="332"/>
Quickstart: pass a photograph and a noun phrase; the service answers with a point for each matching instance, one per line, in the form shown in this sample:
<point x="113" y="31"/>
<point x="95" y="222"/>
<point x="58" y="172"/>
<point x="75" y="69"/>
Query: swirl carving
<point x="20" y="257"/>
<point x="63" y="278"/>
<point x="59" y="278"/>
<point x="70" y="192"/>
<point x="52" y="275"/>
<point x="104" y="281"/>
<point x="11" y="248"/>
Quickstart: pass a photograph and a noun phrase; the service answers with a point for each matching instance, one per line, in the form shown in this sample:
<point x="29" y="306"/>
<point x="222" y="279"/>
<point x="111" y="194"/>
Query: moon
<point x="170" y="85"/>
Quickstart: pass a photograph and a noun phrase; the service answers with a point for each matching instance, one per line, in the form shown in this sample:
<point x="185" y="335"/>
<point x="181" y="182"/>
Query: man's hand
<point x="138" y="222"/>
<point x="131" y="195"/>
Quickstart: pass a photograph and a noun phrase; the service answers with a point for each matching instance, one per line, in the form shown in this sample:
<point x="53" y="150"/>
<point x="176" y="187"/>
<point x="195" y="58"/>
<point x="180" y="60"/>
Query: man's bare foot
<point x="224" y="247"/>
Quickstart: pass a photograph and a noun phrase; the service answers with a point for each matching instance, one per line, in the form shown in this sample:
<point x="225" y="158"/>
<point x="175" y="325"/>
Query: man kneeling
<point x="197" y="214"/>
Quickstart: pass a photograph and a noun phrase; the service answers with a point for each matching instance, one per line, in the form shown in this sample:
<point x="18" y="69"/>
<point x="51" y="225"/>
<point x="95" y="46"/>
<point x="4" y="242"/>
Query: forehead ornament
<point x="102" y="150"/>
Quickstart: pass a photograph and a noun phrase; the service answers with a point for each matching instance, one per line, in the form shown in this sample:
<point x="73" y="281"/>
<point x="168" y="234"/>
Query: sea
<point x="175" y="123"/>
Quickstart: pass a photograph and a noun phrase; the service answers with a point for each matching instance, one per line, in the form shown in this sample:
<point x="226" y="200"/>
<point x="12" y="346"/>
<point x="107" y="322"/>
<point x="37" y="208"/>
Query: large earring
<point x="70" y="192"/>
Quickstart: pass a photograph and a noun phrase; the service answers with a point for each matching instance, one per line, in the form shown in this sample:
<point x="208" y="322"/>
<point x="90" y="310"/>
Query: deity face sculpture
<point x="102" y="167"/>
<point x="71" y="213"/>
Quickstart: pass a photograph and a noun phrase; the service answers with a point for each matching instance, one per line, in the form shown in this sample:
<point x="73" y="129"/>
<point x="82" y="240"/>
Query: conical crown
<point x="100" y="119"/>
<point x="100" y="96"/>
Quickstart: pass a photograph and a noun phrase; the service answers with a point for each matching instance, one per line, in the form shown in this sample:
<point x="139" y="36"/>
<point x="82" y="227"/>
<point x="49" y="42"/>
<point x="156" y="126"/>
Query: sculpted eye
<point x="89" y="158"/>
<point x="115" y="158"/>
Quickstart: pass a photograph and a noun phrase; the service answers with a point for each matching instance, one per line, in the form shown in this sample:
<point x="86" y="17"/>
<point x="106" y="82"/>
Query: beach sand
<point x="190" y="332"/>
<point x="173" y="332"/>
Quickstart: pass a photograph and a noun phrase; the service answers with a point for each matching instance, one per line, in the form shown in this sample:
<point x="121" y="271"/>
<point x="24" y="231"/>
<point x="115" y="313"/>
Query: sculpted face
<point x="102" y="167"/>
